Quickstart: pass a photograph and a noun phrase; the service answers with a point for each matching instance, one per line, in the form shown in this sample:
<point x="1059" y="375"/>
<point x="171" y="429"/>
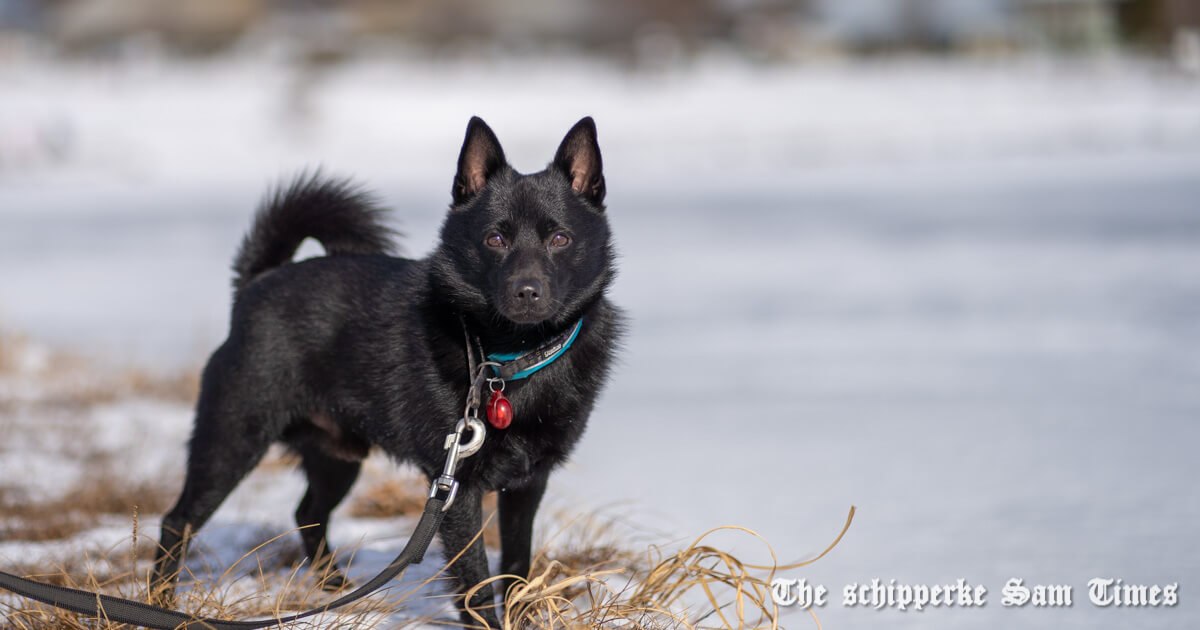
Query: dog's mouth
<point x="525" y="316"/>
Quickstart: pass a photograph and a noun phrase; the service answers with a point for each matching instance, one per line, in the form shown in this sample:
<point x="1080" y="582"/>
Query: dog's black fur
<point x="355" y="349"/>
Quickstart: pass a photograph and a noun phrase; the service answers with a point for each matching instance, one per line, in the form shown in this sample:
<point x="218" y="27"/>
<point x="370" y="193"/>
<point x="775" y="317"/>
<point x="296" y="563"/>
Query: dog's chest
<point x="545" y="428"/>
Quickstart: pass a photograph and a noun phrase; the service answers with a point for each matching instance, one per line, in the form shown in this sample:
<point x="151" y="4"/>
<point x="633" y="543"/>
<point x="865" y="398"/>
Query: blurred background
<point x="638" y="34"/>
<point x="939" y="259"/>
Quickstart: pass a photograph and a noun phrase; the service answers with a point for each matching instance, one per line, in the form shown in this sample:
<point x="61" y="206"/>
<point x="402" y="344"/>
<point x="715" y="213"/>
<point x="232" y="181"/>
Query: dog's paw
<point x="163" y="598"/>
<point x="334" y="580"/>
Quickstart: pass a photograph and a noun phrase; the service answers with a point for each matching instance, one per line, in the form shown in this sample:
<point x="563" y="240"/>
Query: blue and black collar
<point x="511" y="366"/>
<point x="518" y="365"/>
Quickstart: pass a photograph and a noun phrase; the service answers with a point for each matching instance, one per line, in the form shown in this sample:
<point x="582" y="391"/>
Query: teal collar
<point x="518" y="365"/>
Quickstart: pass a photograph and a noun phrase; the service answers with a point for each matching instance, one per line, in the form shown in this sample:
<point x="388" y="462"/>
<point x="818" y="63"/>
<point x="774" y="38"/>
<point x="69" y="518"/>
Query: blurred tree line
<point x="631" y="31"/>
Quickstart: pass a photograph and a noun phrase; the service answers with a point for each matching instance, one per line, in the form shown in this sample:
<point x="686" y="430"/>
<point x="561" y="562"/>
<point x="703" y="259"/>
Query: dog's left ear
<point x="578" y="158"/>
<point x="480" y="158"/>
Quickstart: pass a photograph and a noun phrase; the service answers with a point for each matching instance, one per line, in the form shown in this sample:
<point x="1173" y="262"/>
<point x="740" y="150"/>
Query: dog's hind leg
<point x="217" y="461"/>
<point x="329" y="479"/>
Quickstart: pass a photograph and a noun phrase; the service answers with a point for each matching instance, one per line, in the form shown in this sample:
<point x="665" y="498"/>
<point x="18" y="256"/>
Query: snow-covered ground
<point x="965" y="298"/>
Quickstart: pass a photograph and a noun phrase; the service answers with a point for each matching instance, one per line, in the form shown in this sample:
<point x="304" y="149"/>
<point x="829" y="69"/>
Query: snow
<point x="246" y="119"/>
<point x="963" y="297"/>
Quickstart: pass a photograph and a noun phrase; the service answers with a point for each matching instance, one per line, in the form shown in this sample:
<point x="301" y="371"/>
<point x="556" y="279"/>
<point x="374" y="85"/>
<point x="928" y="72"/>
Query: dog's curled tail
<point x="336" y="212"/>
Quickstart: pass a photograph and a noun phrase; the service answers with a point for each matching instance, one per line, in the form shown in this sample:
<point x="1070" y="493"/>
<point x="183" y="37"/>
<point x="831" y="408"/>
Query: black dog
<point x="355" y="349"/>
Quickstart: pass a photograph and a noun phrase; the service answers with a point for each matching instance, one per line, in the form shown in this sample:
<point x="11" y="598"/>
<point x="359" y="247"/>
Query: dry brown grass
<point x="389" y="498"/>
<point x="700" y="586"/>
<point x="93" y="570"/>
<point x="13" y="347"/>
<point x="182" y="386"/>
<point x="51" y="393"/>
<point x="67" y="380"/>
<point x="124" y="571"/>
<point x="99" y="493"/>
<point x="405" y="496"/>
<point x="574" y="585"/>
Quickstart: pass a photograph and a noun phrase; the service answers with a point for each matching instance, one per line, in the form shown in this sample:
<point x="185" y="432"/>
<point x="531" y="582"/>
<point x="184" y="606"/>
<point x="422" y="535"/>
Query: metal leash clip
<point x="456" y="450"/>
<point x="454" y="447"/>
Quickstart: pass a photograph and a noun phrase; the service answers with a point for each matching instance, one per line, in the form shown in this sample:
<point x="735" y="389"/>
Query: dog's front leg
<point x="518" y="507"/>
<point x="463" y="521"/>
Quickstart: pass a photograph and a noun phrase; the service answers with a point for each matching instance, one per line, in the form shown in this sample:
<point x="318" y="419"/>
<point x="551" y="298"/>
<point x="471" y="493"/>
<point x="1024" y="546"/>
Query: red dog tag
<point x="499" y="410"/>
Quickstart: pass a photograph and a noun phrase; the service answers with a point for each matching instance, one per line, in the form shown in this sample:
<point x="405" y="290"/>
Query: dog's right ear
<point x="480" y="158"/>
<point x="578" y="158"/>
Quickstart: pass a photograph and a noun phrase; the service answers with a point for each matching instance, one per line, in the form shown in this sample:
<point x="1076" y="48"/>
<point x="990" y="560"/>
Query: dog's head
<point x="526" y="250"/>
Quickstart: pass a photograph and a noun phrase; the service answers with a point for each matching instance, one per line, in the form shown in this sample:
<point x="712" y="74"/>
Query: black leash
<point x="121" y="610"/>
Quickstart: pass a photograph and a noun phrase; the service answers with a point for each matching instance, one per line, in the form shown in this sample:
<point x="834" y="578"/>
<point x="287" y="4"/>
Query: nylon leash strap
<point x="121" y="610"/>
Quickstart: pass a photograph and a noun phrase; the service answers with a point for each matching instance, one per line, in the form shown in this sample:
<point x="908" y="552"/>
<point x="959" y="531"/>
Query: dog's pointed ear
<point x="578" y="158"/>
<point x="480" y="158"/>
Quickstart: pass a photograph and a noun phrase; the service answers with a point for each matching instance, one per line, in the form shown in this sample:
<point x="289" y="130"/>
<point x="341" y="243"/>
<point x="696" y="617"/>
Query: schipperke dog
<point x="336" y="354"/>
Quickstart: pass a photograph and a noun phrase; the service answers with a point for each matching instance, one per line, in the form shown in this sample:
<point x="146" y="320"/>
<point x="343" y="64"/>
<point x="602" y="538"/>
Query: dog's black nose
<point x="527" y="290"/>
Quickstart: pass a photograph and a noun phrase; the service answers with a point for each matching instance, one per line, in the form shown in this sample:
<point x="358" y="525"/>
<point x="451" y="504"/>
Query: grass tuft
<point x="700" y="586"/>
<point x="405" y="496"/>
<point x="573" y="585"/>
<point x="100" y="493"/>
<point x="68" y="381"/>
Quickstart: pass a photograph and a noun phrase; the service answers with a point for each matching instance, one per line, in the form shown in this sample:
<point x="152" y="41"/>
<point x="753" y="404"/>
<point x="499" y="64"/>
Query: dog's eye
<point x="559" y="240"/>
<point x="496" y="240"/>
